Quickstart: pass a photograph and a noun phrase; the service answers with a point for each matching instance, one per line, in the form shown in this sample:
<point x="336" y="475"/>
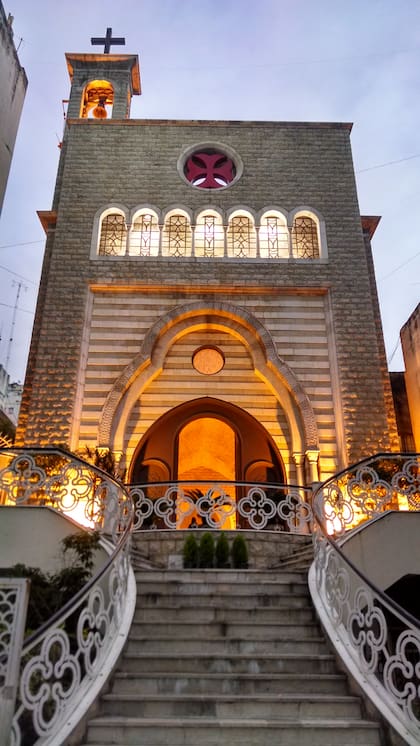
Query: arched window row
<point x="273" y="235"/>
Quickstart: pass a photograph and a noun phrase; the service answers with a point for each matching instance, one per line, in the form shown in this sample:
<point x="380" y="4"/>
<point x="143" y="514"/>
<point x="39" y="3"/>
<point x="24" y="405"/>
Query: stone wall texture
<point x="94" y="314"/>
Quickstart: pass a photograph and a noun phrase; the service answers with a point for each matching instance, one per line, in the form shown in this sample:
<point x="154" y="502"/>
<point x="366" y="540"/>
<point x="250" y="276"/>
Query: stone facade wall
<point x="286" y="165"/>
<point x="297" y="324"/>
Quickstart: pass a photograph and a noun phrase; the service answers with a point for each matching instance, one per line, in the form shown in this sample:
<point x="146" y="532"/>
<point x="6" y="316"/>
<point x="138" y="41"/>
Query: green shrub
<point x="50" y="591"/>
<point x="222" y="551"/>
<point x="206" y="550"/>
<point x="239" y="553"/>
<point x="190" y="551"/>
<point x="82" y="547"/>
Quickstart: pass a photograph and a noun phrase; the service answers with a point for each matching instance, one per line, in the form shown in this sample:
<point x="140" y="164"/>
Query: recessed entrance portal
<point x="207" y="442"/>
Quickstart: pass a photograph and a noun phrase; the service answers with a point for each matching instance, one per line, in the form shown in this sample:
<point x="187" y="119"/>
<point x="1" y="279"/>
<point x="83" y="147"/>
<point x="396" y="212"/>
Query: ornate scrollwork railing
<point x="378" y="640"/>
<point x="14" y="594"/>
<point x="61" y="662"/>
<point x="228" y="505"/>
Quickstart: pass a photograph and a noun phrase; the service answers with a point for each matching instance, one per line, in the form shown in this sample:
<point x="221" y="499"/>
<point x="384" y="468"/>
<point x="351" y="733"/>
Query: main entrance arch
<point x="206" y="439"/>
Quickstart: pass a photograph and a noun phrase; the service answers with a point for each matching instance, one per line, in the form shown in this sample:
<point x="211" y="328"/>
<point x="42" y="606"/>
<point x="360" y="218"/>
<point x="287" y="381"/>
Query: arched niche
<point x="147" y="365"/>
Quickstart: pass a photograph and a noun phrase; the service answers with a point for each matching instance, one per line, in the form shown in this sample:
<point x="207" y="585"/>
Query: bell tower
<point x="102" y="85"/>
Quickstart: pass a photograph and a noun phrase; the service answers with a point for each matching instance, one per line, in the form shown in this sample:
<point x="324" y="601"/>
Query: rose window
<point x="209" y="169"/>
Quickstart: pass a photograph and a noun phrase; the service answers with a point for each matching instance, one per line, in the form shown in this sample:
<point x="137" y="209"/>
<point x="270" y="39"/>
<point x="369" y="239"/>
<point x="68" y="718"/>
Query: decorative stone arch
<point x="145" y="206"/>
<point x="241" y="208"/>
<point x="208" y="208"/>
<point x="148" y="363"/>
<point x="305" y="210"/>
<point x="174" y="207"/>
<point x="271" y="208"/>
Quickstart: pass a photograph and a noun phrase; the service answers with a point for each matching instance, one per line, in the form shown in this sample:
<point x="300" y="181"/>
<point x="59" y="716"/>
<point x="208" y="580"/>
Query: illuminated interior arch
<point x="97" y="100"/>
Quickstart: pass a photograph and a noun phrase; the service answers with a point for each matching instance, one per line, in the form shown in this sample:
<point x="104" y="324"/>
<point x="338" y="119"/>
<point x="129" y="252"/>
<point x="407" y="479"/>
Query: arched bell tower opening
<point x="97" y="100"/>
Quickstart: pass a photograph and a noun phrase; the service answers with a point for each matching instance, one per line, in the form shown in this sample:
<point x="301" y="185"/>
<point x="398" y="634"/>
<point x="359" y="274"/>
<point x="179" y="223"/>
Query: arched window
<point x="112" y="234"/>
<point x="209" y="235"/>
<point x="305" y="237"/>
<point x="274" y="236"/>
<point x="144" y="235"/>
<point x="98" y="99"/>
<point x="176" y="239"/>
<point x="241" y="236"/>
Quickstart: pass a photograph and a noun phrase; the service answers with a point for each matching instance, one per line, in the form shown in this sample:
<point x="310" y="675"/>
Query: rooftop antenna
<point x="20" y="285"/>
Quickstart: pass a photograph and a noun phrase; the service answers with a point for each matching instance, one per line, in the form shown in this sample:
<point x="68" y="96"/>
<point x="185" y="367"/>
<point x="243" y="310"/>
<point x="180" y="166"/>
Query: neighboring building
<point x="10" y="398"/>
<point x="402" y="411"/>
<point x="13" y="84"/>
<point x="207" y="306"/>
<point x="410" y="342"/>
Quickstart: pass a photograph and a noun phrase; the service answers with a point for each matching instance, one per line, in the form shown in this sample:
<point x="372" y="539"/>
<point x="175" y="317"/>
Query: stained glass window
<point x="305" y="238"/>
<point x="113" y="236"/>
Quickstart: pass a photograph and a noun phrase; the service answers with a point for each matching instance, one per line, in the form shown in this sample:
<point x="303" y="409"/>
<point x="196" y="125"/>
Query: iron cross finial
<point x="107" y="40"/>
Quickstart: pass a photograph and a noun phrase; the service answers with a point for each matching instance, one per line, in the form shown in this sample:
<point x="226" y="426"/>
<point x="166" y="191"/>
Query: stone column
<point x="312" y="456"/>
<point x="299" y="459"/>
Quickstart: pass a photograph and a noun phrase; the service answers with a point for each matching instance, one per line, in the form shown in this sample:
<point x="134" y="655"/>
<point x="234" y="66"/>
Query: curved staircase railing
<point x="65" y="663"/>
<point x="378" y="641"/>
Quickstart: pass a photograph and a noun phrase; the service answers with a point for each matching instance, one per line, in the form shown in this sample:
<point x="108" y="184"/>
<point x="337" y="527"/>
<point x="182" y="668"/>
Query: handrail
<point x="64" y="663"/>
<point x="378" y="640"/>
<point x="222" y="505"/>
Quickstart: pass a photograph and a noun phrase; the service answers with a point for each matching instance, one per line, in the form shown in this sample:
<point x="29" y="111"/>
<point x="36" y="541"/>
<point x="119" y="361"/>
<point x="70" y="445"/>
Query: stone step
<point x="224" y="646"/>
<point x="211" y="732"/>
<point x="227" y="683"/>
<point x="244" y="577"/>
<point x="277" y="707"/>
<point x="230" y="630"/>
<point x="298" y="599"/>
<point x="209" y="614"/>
<point x="225" y="590"/>
<point x="230" y="663"/>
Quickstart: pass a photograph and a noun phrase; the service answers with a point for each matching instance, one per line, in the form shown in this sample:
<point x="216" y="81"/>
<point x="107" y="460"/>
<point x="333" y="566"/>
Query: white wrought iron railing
<point x="378" y="640"/>
<point x="14" y="594"/>
<point x="65" y="663"/>
<point x="222" y="505"/>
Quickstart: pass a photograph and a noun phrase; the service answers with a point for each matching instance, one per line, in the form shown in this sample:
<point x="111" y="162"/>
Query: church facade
<point x="207" y="307"/>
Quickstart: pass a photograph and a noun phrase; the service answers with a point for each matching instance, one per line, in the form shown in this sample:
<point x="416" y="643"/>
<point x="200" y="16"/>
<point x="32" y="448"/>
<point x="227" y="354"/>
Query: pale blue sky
<point x="310" y="60"/>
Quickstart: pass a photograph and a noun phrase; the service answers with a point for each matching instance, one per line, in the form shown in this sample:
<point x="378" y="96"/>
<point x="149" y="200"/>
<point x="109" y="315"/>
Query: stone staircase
<point x="228" y="657"/>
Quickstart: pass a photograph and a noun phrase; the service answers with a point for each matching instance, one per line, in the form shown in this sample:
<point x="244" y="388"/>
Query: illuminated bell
<point x="99" y="111"/>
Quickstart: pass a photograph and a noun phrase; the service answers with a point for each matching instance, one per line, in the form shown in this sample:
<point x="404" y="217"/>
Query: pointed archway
<point x="202" y="436"/>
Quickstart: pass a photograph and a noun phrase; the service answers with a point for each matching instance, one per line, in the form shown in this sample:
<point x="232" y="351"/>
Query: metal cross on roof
<point x="107" y="40"/>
